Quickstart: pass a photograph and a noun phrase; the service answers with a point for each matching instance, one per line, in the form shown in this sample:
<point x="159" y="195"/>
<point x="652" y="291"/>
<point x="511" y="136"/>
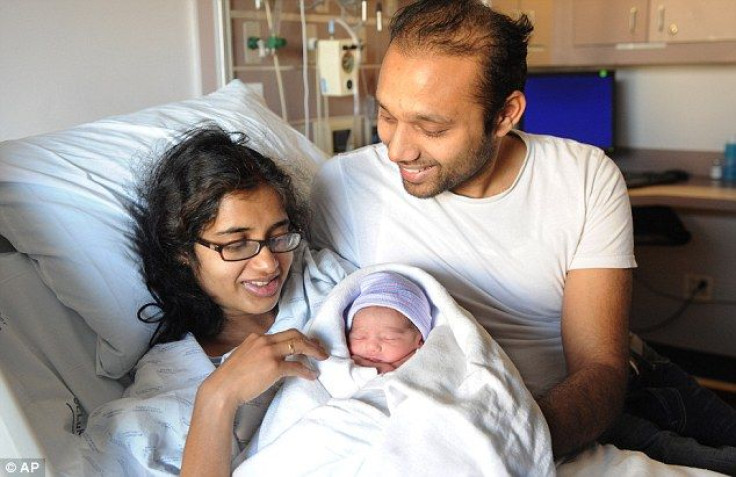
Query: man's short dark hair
<point x="469" y="28"/>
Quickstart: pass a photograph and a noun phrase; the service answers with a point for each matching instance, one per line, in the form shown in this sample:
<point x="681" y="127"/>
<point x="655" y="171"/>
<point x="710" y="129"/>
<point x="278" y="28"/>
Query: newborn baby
<point x="387" y="322"/>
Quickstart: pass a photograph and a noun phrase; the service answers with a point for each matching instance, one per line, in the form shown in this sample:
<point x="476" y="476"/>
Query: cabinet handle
<point x="660" y="16"/>
<point x="632" y="19"/>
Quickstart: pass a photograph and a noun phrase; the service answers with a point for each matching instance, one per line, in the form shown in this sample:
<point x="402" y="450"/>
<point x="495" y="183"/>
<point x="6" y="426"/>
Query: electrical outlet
<point x="692" y="281"/>
<point x="251" y="30"/>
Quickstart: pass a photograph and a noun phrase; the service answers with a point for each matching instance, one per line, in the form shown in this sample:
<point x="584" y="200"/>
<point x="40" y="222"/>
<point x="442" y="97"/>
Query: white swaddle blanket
<point x="457" y="407"/>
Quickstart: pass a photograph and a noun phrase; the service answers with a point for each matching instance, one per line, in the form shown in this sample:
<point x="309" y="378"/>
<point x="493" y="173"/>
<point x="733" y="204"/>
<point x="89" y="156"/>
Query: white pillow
<point x="63" y="195"/>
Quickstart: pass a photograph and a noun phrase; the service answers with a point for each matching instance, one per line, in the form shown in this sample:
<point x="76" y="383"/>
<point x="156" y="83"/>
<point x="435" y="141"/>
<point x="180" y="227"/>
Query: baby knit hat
<point x="393" y="290"/>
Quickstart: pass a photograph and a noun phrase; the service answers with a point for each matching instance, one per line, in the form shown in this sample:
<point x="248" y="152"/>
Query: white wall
<point x="691" y="108"/>
<point x="707" y="327"/>
<point x="66" y="62"/>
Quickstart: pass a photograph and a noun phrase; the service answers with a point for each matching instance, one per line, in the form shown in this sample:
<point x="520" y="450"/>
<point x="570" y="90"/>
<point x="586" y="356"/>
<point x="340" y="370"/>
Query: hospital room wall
<point x="684" y="108"/>
<point x="73" y="61"/>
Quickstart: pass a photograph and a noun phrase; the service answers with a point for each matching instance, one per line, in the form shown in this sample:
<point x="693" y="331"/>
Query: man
<point x="531" y="234"/>
<point x="534" y="238"/>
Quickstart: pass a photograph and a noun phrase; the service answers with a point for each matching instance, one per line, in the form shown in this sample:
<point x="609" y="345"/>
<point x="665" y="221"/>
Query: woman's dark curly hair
<point x="179" y="196"/>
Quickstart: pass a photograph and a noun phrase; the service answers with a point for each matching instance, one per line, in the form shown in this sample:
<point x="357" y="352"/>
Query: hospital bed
<point x="70" y="286"/>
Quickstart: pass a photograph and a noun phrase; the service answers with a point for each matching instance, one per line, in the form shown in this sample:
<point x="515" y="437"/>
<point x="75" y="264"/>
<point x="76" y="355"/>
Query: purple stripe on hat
<point x="393" y="290"/>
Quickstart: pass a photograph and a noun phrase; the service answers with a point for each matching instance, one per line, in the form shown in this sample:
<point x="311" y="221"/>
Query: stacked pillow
<point x="63" y="199"/>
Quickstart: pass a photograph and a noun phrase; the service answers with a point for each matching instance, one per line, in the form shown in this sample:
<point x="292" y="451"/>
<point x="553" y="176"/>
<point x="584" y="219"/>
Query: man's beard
<point x="457" y="171"/>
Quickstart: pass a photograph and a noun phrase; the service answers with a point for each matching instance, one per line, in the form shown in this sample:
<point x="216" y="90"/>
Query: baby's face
<point x="383" y="335"/>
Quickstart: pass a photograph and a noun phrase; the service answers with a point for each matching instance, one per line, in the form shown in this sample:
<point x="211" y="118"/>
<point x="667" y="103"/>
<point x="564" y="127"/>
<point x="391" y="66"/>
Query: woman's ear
<point x="183" y="259"/>
<point x="511" y="113"/>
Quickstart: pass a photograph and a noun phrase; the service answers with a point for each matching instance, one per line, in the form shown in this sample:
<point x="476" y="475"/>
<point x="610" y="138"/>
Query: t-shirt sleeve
<point x="607" y="239"/>
<point x="333" y="220"/>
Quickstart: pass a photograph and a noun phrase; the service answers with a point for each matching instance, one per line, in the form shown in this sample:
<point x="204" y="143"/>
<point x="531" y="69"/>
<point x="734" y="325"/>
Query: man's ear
<point x="511" y="113"/>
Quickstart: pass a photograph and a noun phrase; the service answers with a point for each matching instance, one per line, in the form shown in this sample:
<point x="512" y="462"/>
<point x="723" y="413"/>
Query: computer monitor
<point x="576" y="105"/>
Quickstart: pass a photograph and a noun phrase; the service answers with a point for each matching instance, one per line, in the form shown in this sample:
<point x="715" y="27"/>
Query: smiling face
<point x="384" y="335"/>
<point x="246" y="289"/>
<point x="433" y="125"/>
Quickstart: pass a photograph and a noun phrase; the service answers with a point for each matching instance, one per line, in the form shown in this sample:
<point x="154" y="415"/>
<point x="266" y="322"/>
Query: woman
<point x="218" y="230"/>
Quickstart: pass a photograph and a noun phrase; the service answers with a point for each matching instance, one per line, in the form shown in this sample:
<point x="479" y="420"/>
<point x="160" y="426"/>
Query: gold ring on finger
<point x="291" y="347"/>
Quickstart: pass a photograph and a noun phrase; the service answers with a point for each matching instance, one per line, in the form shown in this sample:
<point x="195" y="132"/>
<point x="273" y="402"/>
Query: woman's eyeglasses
<point x="247" y="248"/>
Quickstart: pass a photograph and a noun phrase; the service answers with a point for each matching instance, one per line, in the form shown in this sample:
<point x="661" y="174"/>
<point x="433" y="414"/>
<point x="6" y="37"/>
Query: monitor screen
<point x="575" y="105"/>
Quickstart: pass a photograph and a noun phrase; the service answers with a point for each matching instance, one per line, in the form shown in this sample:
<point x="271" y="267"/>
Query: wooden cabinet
<point x="509" y="7"/>
<point x="541" y="14"/>
<point x="602" y="22"/>
<point x="609" y="33"/>
<point x="609" y="21"/>
<point x="687" y="21"/>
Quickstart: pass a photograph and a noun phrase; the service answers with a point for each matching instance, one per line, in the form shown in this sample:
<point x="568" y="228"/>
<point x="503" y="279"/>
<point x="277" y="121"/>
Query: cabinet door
<point x="686" y="21"/>
<point x="541" y="14"/>
<point x="507" y="7"/>
<point x="600" y="22"/>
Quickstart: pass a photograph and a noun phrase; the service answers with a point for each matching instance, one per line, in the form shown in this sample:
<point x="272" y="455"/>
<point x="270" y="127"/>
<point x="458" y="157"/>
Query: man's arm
<point x="595" y="340"/>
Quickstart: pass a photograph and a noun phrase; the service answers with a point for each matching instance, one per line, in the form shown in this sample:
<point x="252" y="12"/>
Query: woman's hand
<point x="254" y="366"/>
<point x="259" y="361"/>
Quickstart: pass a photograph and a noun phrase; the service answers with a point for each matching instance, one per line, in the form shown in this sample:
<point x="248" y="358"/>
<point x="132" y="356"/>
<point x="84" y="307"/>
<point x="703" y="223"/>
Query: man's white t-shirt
<point x="503" y="258"/>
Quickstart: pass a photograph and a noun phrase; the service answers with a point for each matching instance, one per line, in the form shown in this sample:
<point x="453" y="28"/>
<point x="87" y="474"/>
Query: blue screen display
<point x="578" y="106"/>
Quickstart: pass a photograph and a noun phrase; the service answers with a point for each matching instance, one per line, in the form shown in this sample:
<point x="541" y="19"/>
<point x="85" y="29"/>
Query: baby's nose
<point x="373" y="346"/>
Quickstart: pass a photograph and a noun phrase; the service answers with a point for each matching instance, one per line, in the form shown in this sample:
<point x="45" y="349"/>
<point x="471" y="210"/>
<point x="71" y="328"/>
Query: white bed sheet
<point x="47" y="372"/>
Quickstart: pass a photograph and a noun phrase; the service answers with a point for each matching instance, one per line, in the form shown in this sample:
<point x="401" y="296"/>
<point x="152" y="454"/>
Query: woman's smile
<point x="265" y="287"/>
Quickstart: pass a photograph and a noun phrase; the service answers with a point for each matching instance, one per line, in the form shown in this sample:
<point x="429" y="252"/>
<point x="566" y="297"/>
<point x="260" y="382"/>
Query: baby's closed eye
<point x="390" y="338"/>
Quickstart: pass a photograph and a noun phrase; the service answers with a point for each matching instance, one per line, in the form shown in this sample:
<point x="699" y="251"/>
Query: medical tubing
<point x="350" y="31"/>
<point x="276" y="15"/>
<point x="318" y="99"/>
<point x="276" y="64"/>
<point x="357" y="132"/>
<point x="305" y="68"/>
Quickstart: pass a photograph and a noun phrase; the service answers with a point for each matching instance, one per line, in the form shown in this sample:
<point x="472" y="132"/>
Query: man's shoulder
<point x="558" y="155"/>
<point x="564" y="149"/>
<point x="365" y="155"/>
<point x="363" y="162"/>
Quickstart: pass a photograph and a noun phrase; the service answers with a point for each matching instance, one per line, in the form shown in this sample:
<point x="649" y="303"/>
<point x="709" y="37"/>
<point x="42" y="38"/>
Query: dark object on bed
<point x="5" y="245"/>
<point x="658" y="225"/>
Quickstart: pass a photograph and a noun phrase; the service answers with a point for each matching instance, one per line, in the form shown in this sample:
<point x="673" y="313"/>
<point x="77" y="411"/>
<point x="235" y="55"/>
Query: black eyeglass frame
<point x="261" y="243"/>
